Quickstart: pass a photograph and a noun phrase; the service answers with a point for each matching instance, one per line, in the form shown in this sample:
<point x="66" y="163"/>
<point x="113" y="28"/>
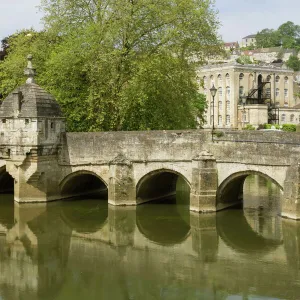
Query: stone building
<point x="249" y="40"/>
<point x="269" y="93"/>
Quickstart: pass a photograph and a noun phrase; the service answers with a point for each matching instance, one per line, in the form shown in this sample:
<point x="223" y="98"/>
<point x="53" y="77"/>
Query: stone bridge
<point x="41" y="162"/>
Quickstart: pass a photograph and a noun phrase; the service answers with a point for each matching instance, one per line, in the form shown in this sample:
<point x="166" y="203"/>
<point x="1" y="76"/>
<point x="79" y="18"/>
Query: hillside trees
<point x="287" y="35"/>
<point x="123" y="64"/>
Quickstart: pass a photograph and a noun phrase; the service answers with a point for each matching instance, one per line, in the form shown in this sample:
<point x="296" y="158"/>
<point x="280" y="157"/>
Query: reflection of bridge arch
<point x="231" y="189"/>
<point x="158" y="184"/>
<point x="235" y="231"/>
<point x="85" y="216"/>
<point x="81" y="183"/>
<point x="6" y="181"/>
<point x="162" y="223"/>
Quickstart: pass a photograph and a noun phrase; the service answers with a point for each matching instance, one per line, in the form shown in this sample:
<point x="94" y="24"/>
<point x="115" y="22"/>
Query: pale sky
<point x="238" y="17"/>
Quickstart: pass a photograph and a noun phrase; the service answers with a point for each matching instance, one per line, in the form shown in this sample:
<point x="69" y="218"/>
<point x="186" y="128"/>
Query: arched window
<point x="220" y="105"/>
<point x="268" y="78"/>
<point x="268" y="92"/>
<point x="220" y="120"/>
<point x="292" y="118"/>
<point x="227" y="79"/>
<point x="220" y="92"/>
<point x="220" y="80"/>
<point x="286" y="80"/>
<point x="227" y="120"/>
<point x="241" y="76"/>
<point x="241" y="90"/>
<point x="286" y="93"/>
<point x="227" y="92"/>
<point x="205" y="91"/>
<point x="277" y="78"/>
<point x="277" y="92"/>
<point x="228" y="106"/>
<point x="205" y="81"/>
<point x="212" y="80"/>
<point x="211" y="106"/>
<point x="211" y="119"/>
<point x="283" y="118"/>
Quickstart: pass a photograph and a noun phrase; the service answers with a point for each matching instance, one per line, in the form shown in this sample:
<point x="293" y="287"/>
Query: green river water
<point x="88" y="250"/>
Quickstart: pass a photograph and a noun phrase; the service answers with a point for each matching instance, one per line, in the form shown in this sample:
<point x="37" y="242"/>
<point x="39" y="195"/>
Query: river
<point x="85" y="249"/>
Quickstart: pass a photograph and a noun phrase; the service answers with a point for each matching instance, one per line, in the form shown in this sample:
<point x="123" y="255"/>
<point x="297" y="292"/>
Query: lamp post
<point x="213" y="92"/>
<point x="244" y="100"/>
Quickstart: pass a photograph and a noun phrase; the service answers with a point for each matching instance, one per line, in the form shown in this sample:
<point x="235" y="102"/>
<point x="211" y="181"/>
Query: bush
<point x="249" y="127"/>
<point x="289" y="127"/>
<point x="270" y="126"/>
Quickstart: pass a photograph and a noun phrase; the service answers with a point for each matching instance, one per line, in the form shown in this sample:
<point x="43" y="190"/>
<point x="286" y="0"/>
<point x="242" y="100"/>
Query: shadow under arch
<point x="81" y="183"/>
<point x="230" y="191"/>
<point x="158" y="184"/>
<point x="235" y="231"/>
<point x="162" y="223"/>
<point x="6" y="182"/>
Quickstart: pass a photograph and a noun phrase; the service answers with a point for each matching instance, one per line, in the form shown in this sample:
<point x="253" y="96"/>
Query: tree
<point x="129" y="64"/>
<point x="268" y="38"/>
<point x="293" y="63"/>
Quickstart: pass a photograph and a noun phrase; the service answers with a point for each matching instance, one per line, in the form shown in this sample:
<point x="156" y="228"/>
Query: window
<point x="211" y="119"/>
<point x="227" y="120"/>
<point x="205" y="80"/>
<point x="212" y="79"/>
<point x="286" y="80"/>
<point x="3" y="120"/>
<point x="277" y="92"/>
<point x="228" y="106"/>
<point x="220" y="106"/>
<point x="241" y="90"/>
<point x="205" y="91"/>
<point x="283" y="118"/>
<point x="220" y="120"/>
<point x="52" y="125"/>
<point x="228" y="92"/>
<point x="277" y="79"/>
<point x="227" y="79"/>
<point x="268" y="78"/>
<point x="241" y="76"/>
<point x="268" y="92"/>
<point x="220" y="92"/>
<point x="220" y="79"/>
<point x="292" y="118"/>
<point x="26" y="121"/>
<point x="286" y="93"/>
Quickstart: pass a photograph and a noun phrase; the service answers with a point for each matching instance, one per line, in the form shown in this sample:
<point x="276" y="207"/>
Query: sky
<point x="239" y="18"/>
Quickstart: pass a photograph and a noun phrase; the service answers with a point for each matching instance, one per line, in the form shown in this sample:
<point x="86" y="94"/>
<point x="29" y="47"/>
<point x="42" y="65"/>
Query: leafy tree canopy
<point x="119" y="64"/>
<point x="293" y="63"/>
<point x="287" y="35"/>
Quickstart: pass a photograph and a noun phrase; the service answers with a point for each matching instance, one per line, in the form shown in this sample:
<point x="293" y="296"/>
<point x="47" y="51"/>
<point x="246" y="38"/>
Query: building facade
<point x="249" y="40"/>
<point x="263" y="87"/>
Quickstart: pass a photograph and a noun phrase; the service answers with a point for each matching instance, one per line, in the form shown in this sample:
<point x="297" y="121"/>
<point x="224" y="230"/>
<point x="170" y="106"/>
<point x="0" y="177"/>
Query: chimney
<point x="17" y="101"/>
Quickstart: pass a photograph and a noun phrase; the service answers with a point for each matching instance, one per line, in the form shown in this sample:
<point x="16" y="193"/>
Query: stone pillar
<point x="205" y="239"/>
<point x="290" y="207"/>
<point x="204" y="183"/>
<point x="121" y="188"/>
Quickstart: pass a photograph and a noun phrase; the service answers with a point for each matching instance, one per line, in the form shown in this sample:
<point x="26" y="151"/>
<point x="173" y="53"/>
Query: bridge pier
<point x="204" y="183"/>
<point x="291" y="194"/>
<point x="121" y="188"/>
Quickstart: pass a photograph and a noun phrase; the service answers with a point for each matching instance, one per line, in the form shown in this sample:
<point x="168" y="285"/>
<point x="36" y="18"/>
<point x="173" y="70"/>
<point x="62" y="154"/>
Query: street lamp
<point x="213" y="92"/>
<point x="244" y="100"/>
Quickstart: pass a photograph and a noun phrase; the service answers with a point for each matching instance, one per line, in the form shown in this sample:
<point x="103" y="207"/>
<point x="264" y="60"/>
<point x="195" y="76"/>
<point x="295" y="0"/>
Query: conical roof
<point x="33" y="101"/>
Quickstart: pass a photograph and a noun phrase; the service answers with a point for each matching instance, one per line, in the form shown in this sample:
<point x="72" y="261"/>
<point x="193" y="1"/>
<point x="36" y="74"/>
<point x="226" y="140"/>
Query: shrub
<point x="249" y="127"/>
<point x="289" y="127"/>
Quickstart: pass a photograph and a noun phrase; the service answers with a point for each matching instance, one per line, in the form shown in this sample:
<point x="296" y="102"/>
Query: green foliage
<point x="289" y="127"/>
<point x="119" y="65"/>
<point x="244" y="60"/>
<point x="218" y="134"/>
<point x="287" y="35"/>
<point x="249" y="127"/>
<point x="270" y="126"/>
<point x="293" y="63"/>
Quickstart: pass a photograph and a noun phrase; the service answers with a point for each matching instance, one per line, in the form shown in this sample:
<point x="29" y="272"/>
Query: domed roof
<point x="30" y="100"/>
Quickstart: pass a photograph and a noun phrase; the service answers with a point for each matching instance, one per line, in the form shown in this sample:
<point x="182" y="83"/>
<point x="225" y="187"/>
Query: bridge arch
<point x="158" y="184"/>
<point x="82" y="182"/>
<point x="230" y="191"/>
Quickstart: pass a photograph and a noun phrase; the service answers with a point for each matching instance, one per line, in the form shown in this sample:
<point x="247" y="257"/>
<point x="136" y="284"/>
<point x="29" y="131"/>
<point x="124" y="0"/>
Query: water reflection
<point x="86" y="249"/>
